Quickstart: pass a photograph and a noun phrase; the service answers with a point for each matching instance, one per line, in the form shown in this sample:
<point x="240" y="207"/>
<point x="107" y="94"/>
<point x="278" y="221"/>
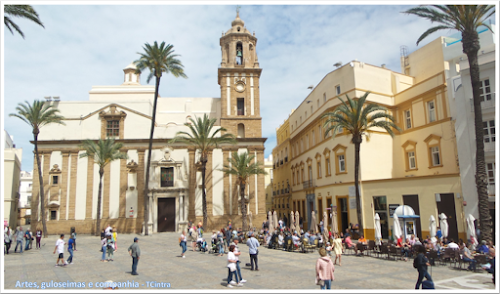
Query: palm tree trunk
<point x="243" y="207"/>
<point x="99" y="200"/>
<point x="148" y="162"/>
<point x="40" y="180"/>
<point x="471" y="47"/>
<point x="357" y="146"/>
<point x="203" y="193"/>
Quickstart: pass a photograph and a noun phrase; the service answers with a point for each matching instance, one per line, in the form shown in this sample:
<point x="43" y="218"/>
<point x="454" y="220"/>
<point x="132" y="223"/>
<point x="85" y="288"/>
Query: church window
<point x="241" y="131"/>
<point x="241" y="106"/>
<point x="167" y="177"/>
<point x="113" y="128"/>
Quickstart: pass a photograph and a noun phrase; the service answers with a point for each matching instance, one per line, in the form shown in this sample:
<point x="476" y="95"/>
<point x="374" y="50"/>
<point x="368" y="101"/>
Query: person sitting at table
<point x="296" y="240"/>
<point x="320" y="239"/>
<point x="312" y="237"/>
<point x="306" y="235"/>
<point x="446" y="241"/>
<point x="285" y="242"/>
<point x="483" y="249"/>
<point x="348" y="243"/>
<point x="405" y="248"/>
<point x="412" y="240"/>
<point x="453" y="245"/>
<point x="347" y="232"/>
<point x="417" y="242"/>
<point x="467" y="257"/>
<point x="491" y="269"/>
<point x="280" y="239"/>
<point x="363" y="241"/>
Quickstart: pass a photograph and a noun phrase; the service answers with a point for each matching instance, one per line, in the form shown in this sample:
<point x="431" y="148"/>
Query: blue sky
<point x="86" y="45"/>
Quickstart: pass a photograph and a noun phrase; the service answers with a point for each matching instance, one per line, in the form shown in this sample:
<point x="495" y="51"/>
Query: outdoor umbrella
<point x="270" y="219"/>
<point x="443" y="223"/>
<point x="335" y="228"/>
<point x="471" y="229"/>
<point x="432" y="226"/>
<point x="297" y="222"/>
<point x="378" y="230"/>
<point x="314" y="223"/>
<point x="275" y="219"/>
<point x="325" y="226"/>
<point x="292" y="222"/>
<point x="250" y="225"/>
<point x="397" y="228"/>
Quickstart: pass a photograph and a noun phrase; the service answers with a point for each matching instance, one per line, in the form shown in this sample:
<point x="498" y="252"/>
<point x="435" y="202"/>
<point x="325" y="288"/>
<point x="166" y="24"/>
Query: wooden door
<point x="412" y="201"/>
<point x="447" y="206"/>
<point x="166" y="215"/>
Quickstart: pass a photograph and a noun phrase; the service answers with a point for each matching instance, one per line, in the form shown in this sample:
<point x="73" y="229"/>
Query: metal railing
<point x="308" y="184"/>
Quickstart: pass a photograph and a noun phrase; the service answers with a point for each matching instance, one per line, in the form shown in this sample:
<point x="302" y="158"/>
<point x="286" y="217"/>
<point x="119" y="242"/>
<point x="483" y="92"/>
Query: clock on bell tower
<point x="238" y="77"/>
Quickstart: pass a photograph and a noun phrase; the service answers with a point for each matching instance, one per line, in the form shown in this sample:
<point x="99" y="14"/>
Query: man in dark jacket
<point x="135" y="252"/>
<point x="421" y="263"/>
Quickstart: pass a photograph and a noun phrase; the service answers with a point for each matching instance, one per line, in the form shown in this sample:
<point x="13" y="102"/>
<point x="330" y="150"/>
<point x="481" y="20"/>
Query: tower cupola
<point x="131" y="78"/>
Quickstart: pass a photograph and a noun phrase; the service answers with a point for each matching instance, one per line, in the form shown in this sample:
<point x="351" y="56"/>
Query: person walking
<point x="73" y="235"/>
<point x="231" y="269"/>
<point x="228" y="235"/>
<point x="60" y="250"/>
<point x="324" y="270"/>
<point x="337" y="243"/>
<point x="115" y="233"/>
<point x="252" y="244"/>
<point x="420" y="263"/>
<point x="38" y="238"/>
<point x="110" y="246"/>
<point x="135" y="252"/>
<point x="19" y="235"/>
<point x="104" y="242"/>
<point x="183" y="243"/>
<point x="7" y="239"/>
<point x="27" y="237"/>
<point x="71" y="247"/>
<point x="237" y="253"/>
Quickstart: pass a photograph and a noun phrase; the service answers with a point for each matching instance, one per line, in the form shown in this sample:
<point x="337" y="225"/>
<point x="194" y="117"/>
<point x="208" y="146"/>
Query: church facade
<point x="124" y="112"/>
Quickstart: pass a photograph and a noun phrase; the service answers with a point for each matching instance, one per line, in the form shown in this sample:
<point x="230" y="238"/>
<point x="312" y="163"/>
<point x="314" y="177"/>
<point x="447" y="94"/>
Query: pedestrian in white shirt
<point x="237" y="253"/>
<point x="60" y="250"/>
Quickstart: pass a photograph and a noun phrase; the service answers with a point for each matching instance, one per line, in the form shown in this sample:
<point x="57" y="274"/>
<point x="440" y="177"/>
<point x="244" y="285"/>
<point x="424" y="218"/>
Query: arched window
<point x="241" y="131"/>
<point x="239" y="53"/>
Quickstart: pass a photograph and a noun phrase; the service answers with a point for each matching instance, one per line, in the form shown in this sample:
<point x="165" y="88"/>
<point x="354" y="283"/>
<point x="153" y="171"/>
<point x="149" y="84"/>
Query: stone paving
<point x="160" y="262"/>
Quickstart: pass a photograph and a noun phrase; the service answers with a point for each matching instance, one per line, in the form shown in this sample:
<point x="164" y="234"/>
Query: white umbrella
<point x="292" y="222"/>
<point x="270" y="219"/>
<point x="432" y="226"/>
<point x="314" y="223"/>
<point x="471" y="229"/>
<point x="397" y="228"/>
<point x="297" y="222"/>
<point x="378" y="230"/>
<point x="443" y="223"/>
<point x="335" y="228"/>
<point x="275" y="219"/>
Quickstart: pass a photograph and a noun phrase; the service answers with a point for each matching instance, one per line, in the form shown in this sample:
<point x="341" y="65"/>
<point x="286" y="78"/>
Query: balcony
<point x="308" y="184"/>
<point x="488" y="104"/>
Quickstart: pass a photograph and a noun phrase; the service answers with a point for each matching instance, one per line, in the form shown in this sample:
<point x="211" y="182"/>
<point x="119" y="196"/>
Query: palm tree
<point x="203" y="137"/>
<point x="39" y="114"/>
<point x="243" y="166"/>
<point x="467" y="19"/>
<point x="23" y="11"/>
<point x="103" y="152"/>
<point x="359" y="119"/>
<point x="158" y="59"/>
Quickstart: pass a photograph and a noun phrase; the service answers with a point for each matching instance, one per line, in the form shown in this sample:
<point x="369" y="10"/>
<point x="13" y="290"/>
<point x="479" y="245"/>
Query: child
<point x="110" y="244"/>
<point x="328" y="249"/>
<point x="60" y="250"/>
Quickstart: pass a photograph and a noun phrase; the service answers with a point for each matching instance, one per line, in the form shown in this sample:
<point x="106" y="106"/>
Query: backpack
<point x="415" y="262"/>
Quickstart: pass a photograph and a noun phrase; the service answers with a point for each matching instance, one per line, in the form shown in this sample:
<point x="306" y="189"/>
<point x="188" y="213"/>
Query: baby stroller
<point x="213" y="249"/>
<point x="202" y="246"/>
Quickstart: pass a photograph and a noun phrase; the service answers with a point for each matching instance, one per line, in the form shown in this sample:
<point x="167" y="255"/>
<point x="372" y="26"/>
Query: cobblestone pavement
<point x="160" y="262"/>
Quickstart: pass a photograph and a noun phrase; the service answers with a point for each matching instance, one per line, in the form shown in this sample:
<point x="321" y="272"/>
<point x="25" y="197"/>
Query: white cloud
<point x="86" y="45"/>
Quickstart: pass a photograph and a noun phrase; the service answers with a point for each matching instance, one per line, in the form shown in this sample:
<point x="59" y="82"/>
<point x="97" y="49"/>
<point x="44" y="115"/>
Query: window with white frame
<point x="408" y="119"/>
<point x="485" y="90"/>
<point x="489" y="131"/>
<point x="411" y="160"/>
<point x="341" y="159"/>
<point x="436" y="157"/>
<point x="490" y="170"/>
<point x="431" y="108"/>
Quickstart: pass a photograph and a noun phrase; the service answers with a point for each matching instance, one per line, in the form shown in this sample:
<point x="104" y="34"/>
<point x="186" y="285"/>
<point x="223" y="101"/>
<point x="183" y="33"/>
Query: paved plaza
<point x="160" y="263"/>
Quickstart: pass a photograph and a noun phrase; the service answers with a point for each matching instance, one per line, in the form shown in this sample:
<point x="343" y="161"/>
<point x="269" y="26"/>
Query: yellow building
<point x="268" y="182"/>
<point x="418" y="167"/>
<point x="282" y="178"/>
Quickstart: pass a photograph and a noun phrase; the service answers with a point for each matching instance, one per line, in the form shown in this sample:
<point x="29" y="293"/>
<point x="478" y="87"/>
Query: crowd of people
<point x="23" y="239"/>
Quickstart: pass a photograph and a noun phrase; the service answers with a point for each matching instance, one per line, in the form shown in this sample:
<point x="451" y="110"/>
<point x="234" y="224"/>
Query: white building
<point x="25" y="192"/>
<point x="461" y="107"/>
<point x="12" y="167"/>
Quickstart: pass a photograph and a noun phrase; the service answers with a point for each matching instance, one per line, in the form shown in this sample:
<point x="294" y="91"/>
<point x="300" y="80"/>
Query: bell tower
<point x="238" y="77"/>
